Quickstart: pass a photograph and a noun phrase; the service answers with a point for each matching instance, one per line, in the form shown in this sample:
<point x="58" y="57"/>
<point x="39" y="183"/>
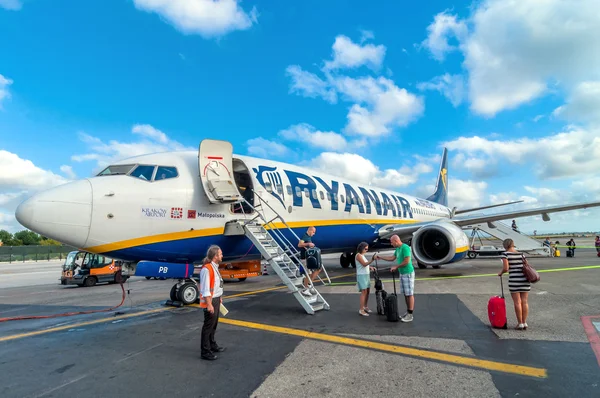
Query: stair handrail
<point x="282" y="236"/>
<point x="279" y="233"/>
<point x="293" y="250"/>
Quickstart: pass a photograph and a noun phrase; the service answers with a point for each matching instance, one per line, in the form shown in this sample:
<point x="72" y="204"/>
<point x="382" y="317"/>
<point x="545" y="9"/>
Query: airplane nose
<point x="63" y="213"/>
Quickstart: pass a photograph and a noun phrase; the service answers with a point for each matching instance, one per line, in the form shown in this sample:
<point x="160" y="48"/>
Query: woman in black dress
<point x="518" y="284"/>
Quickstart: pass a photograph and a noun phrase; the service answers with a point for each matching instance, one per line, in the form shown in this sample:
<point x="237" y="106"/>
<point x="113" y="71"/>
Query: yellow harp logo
<point x="444" y="175"/>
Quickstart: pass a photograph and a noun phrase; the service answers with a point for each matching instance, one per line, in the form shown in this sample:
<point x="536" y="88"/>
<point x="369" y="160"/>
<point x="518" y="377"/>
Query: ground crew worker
<point x="211" y="292"/>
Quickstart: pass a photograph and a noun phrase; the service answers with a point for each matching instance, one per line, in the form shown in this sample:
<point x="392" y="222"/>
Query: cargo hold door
<point x="216" y="171"/>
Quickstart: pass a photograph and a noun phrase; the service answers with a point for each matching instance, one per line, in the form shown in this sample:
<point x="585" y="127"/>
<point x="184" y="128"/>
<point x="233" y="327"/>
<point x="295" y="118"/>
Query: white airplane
<point x="167" y="208"/>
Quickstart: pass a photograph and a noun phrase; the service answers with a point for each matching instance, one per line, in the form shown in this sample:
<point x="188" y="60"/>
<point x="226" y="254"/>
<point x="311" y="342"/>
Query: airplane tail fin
<point x="441" y="189"/>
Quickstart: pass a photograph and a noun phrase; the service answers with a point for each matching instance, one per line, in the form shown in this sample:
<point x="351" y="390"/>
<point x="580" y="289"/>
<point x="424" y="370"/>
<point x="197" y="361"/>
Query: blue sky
<point x="373" y="91"/>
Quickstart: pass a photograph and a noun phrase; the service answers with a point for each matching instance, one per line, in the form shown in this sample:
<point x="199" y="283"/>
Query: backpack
<point x="313" y="258"/>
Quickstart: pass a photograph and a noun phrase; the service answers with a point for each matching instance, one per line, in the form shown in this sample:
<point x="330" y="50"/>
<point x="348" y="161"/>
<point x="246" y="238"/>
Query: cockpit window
<point x="116" y="170"/>
<point x="143" y="172"/>
<point x="164" y="173"/>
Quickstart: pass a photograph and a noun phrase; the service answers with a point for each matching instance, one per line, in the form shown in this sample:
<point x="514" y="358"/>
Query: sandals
<point x="366" y="309"/>
<point x="362" y="312"/>
<point x="520" y="326"/>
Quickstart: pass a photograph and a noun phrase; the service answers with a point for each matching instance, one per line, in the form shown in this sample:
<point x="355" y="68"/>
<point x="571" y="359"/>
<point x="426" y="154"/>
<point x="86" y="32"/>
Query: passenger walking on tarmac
<point x="597" y="244"/>
<point x="363" y="277"/>
<point x="306" y="242"/>
<point x="519" y="286"/>
<point x="403" y="257"/>
<point x="211" y="297"/>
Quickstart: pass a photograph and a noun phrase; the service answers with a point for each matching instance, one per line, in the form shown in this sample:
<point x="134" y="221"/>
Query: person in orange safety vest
<point x="211" y="292"/>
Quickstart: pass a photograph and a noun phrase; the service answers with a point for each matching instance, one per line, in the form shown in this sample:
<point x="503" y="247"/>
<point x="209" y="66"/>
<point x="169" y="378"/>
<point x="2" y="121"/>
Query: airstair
<point x="280" y="253"/>
<point x="523" y="243"/>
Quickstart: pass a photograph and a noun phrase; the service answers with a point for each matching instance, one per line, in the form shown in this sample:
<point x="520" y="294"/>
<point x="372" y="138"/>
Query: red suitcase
<point x="497" y="310"/>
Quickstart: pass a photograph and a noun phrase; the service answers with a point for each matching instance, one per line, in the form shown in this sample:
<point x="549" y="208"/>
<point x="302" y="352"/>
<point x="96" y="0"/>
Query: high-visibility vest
<point x="211" y="278"/>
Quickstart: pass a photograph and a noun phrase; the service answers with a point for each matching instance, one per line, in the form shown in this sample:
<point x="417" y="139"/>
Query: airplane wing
<point x="462" y="221"/>
<point x="406" y="230"/>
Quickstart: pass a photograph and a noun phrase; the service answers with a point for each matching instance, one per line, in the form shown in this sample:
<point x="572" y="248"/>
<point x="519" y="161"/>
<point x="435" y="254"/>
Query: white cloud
<point x="583" y="103"/>
<point x="451" y="86"/>
<point x="106" y="153"/>
<point x="68" y="171"/>
<point x="13" y="5"/>
<point x="366" y="35"/>
<point x="357" y="168"/>
<point x="443" y="26"/>
<point x="347" y="54"/>
<point x="309" y="85"/>
<point x="566" y="154"/>
<point x="465" y="194"/>
<point x="19" y="179"/>
<point x="263" y="148"/>
<point x="516" y="50"/>
<point x="538" y="118"/>
<point x="148" y="131"/>
<point x="20" y="173"/>
<point x="207" y="18"/>
<point x="308" y="135"/>
<point x="4" y="93"/>
<point x="380" y="105"/>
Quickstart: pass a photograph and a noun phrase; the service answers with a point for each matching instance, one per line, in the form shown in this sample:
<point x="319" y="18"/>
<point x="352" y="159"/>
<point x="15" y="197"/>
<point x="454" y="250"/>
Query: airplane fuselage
<point x="172" y="220"/>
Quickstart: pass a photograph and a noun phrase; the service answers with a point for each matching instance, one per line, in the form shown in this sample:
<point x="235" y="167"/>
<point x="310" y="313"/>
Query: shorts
<point x="364" y="281"/>
<point x="407" y="284"/>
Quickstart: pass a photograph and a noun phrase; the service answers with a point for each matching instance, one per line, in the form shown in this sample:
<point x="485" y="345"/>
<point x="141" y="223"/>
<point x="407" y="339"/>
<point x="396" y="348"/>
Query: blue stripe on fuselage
<point x="328" y="238"/>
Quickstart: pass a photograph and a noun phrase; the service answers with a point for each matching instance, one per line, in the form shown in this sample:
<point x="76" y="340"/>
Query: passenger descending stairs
<point x="283" y="258"/>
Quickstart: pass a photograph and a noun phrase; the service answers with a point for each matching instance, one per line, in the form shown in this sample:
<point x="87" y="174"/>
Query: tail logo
<point x="444" y="178"/>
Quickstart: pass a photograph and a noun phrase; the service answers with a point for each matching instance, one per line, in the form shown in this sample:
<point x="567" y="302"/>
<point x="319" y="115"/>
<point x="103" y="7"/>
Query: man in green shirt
<point x="403" y="258"/>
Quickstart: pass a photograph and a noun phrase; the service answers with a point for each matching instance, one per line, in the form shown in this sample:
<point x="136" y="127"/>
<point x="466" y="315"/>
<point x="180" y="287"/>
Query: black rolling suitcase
<point x="380" y="294"/>
<point x="391" y="304"/>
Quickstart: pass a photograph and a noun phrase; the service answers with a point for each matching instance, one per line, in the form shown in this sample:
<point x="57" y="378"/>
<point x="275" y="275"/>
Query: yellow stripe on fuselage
<point x="147" y="240"/>
<point x="171" y="236"/>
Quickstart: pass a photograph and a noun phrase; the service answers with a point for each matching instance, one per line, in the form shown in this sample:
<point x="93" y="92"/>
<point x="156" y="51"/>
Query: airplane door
<point x="216" y="171"/>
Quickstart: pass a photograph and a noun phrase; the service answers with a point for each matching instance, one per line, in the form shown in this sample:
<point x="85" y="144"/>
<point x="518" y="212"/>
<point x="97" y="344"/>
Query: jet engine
<point x="439" y="243"/>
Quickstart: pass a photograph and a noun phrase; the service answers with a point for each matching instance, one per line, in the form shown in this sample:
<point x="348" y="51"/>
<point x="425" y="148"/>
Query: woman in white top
<point x="363" y="277"/>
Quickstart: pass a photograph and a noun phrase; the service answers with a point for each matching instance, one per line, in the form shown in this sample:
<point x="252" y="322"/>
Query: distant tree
<point x="28" y="238"/>
<point x="50" y="242"/>
<point x="6" y="237"/>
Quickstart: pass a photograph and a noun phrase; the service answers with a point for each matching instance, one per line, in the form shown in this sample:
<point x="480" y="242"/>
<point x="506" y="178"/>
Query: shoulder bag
<point x="530" y="273"/>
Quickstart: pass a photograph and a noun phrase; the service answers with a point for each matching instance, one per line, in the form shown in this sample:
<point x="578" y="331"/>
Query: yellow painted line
<point x="277" y="288"/>
<point x="76" y="325"/>
<point x="479" y="275"/>
<point x="141" y="313"/>
<point x="413" y="352"/>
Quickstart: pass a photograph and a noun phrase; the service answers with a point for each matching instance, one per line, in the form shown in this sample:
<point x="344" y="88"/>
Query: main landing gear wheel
<point x="188" y="293"/>
<point x="345" y="260"/>
<point x="436" y="266"/>
<point x="173" y="294"/>
<point x="422" y="266"/>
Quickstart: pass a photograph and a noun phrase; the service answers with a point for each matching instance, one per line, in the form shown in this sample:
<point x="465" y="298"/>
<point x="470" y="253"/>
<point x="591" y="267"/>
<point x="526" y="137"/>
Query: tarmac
<point x="274" y="349"/>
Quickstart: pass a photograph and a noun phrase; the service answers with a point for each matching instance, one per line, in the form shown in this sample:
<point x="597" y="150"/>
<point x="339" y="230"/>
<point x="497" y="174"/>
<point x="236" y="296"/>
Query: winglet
<point x="441" y="189"/>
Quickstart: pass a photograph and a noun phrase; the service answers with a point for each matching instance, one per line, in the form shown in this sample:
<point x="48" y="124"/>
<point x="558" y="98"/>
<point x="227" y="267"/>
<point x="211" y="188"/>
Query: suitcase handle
<point x="502" y="286"/>
<point x="394" y="280"/>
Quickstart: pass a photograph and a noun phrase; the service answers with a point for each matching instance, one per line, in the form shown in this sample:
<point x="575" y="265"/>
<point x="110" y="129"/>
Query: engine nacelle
<point x="439" y="243"/>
